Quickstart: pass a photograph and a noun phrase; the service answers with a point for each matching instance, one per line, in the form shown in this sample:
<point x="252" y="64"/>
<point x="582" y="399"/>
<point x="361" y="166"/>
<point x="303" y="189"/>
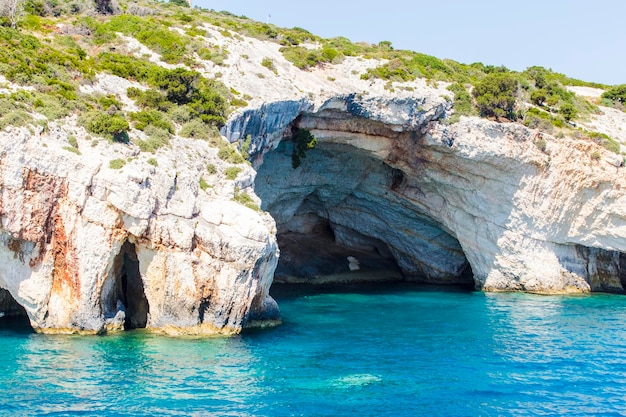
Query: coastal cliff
<point x="88" y="248"/>
<point x="183" y="238"/>
<point x="476" y="201"/>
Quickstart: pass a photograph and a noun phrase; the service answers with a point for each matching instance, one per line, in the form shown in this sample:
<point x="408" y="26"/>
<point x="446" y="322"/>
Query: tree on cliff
<point x="303" y="141"/>
<point x="495" y="95"/>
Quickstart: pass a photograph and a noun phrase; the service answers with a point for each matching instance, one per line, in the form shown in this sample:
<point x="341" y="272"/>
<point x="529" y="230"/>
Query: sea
<point x="352" y="350"/>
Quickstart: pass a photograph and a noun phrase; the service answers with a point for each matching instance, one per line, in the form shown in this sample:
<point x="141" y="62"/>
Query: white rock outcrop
<point x="87" y="248"/>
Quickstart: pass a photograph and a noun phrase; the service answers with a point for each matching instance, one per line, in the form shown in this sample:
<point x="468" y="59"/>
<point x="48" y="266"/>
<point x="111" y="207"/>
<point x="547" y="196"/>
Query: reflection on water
<point x="402" y="350"/>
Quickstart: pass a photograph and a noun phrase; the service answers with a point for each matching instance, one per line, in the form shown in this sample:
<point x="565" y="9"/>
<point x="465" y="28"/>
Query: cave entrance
<point x="314" y="253"/>
<point x="12" y="314"/>
<point x="345" y="216"/>
<point x="129" y="290"/>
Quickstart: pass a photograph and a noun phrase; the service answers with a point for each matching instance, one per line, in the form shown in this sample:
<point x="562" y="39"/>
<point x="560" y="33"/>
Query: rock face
<point x="390" y="186"/>
<point x="87" y="248"/>
<point x="473" y="201"/>
<point x="391" y="191"/>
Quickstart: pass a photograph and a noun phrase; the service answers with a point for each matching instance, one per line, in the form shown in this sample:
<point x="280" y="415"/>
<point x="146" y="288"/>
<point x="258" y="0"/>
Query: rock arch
<point x="343" y="202"/>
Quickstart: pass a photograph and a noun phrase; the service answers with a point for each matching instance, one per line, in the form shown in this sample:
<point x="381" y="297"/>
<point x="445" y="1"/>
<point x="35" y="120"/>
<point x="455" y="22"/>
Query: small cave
<point x="314" y="255"/>
<point x="125" y="291"/>
<point x="12" y="314"/>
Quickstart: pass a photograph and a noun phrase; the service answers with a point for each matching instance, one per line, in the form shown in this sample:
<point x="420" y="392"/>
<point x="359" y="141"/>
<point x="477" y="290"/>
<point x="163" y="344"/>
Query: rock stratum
<point x="393" y="190"/>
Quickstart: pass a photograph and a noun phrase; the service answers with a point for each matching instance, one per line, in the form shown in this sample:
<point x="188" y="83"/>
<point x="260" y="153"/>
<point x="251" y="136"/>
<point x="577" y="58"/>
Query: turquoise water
<point x="401" y="351"/>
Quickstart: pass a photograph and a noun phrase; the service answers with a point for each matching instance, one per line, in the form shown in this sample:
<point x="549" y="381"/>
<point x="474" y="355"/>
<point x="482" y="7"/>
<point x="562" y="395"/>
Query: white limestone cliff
<point x="88" y="248"/>
<point x="391" y="185"/>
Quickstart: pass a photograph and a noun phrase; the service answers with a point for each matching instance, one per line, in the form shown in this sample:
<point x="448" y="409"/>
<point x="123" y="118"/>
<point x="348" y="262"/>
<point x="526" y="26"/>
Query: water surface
<point x="397" y="351"/>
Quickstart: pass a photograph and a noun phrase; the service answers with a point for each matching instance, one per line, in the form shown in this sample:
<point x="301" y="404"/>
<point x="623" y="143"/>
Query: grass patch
<point x="244" y="198"/>
<point x="117" y="163"/>
<point x="232" y="172"/>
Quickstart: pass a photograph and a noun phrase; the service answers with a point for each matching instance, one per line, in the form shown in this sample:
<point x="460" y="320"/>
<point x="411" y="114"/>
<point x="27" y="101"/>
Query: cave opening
<point x="125" y="291"/>
<point x="12" y="314"/>
<point x="344" y="215"/>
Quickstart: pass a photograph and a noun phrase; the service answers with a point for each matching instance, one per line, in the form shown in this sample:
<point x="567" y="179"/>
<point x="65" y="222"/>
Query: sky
<point x="582" y="39"/>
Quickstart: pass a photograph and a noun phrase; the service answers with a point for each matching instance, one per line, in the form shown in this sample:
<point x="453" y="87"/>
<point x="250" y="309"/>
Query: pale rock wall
<point x="476" y="192"/>
<point x="205" y="263"/>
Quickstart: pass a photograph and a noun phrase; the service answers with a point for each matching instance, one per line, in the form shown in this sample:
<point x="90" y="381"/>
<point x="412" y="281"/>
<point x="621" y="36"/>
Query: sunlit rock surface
<point x="87" y="248"/>
<point x="476" y="200"/>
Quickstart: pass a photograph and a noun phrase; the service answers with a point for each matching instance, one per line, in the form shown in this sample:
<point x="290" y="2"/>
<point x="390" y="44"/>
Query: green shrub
<point x="568" y="111"/>
<point x="151" y="33"/>
<point x="237" y="102"/>
<point x="72" y="149"/>
<point x="180" y="114"/>
<point x="71" y="139"/>
<point x="182" y="3"/>
<point x="203" y="184"/>
<point x="269" y="64"/>
<point x="153" y="162"/>
<point x="538" y="97"/>
<point x="157" y="138"/>
<point x="104" y="124"/>
<point x="117" y="163"/>
<point x="462" y="100"/>
<point x="495" y="95"/>
<point x="232" y="172"/>
<point x="245" y="146"/>
<point x="229" y="154"/>
<point x="302" y="57"/>
<point x="195" y="129"/>
<point x="215" y="54"/>
<point x="128" y="67"/>
<point x="245" y="199"/>
<point x="303" y="141"/>
<point x="24" y="59"/>
<point x="15" y="118"/>
<point x="211" y="169"/>
<point x="617" y="93"/>
<point x="605" y="141"/>
<point x="154" y="118"/>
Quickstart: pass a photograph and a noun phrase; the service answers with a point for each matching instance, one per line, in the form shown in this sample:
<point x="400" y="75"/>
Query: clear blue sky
<point x="583" y="39"/>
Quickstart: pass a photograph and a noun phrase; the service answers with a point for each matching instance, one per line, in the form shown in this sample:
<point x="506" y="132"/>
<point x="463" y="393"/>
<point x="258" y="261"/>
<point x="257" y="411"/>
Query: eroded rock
<point x="86" y="248"/>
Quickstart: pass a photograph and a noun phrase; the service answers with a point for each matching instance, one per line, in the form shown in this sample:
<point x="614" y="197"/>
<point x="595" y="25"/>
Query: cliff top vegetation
<point x="52" y="52"/>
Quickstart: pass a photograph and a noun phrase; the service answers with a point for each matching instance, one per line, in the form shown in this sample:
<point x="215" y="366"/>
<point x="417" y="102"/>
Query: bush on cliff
<point x="617" y="93"/>
<point x="496" y="95"/>
<point x="102" y="123"/>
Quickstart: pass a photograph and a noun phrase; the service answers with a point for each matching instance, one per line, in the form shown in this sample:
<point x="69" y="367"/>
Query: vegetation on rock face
<point x="114" y="126"/>
<point x="496" y="95"/>
<point x="59" y="46"/>
<point x="244" y="198"/>
<point x="55" y="47"/>
<point x="616" y="94"/>
<point x="303" y="141"/>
